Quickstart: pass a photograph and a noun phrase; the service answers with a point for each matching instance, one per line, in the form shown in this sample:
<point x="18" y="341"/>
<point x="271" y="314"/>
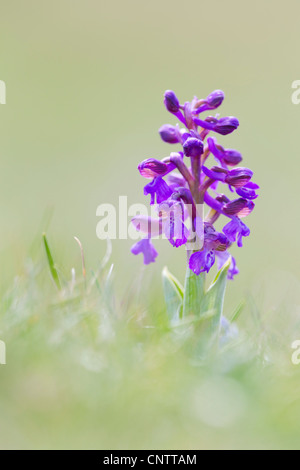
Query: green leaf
<point x="51" y="264"/>
<point x="193" y="293"/>
<point x="173" y="292"/>
<point x="213" y="300"/>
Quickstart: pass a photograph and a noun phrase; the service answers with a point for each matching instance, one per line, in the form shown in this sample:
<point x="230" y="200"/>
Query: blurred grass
<point x="86" y="369"/>
<point x="84" y="101"/>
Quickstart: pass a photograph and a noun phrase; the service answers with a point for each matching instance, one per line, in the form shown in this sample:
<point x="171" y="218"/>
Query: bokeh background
<point x="85" y="83"/>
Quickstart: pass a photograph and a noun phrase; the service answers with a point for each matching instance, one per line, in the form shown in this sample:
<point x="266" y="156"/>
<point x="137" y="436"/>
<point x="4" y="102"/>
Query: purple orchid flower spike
<point x="192" y="182"/>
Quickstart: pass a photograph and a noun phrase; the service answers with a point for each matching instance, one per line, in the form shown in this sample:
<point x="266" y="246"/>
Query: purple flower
<point x="228" y="156"/>
<point x="236" y="229"/>
<point x="193" y="147"/>
<point x="238" y="177"/>
<point x="172" y="214"/>
<point x="195" y="182"/>
<point x="215" y="173"/>
<point x="212" y="101"/>
<point x="226" y="125"/>
<point x="176" y="181"/>
<point x="222" y="126"/>
<point x="232" y="157"/>
<point x="145" y="246"/>
<point x="148" y="225"/>
<point x="222" y="198"/>
<point x="214" y="243"/>
<point x="185" y="135"/>
<point x="202" y="261"/>
<point x="170" y="134"/>
<point x="215" y="99"/>
<point x="175" y="231"/>
<point x="233" y="269"/>
<point x="222" y="257"/>
<point x="171" y="101"/>
<point x="151" y="168"/>
<point x="214" y="240"/>
<point x="248" y="191"/>
<point x="159" y="188"/>
<point x="240" y="207"/>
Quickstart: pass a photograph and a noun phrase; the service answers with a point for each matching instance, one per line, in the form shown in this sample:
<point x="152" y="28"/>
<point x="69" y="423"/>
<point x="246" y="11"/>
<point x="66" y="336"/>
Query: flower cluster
<point x="183" y="183"/>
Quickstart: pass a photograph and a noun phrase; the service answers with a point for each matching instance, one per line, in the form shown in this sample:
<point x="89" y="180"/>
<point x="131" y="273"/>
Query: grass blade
<point x="51" y="264"/>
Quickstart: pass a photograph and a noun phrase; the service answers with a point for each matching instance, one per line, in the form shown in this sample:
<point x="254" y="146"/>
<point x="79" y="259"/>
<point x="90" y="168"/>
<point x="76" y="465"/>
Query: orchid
<point x="186" y="176"/>
<point x="188" y="189"/>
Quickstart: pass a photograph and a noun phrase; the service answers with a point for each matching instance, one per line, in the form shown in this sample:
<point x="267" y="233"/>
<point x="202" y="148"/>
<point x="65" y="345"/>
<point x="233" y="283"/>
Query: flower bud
<point x="226" y="125"/>
<point x="232" y="157"/>
<point x="215" y="99"/>
<point x="212" y="101"/>
<point x="222" y="198"/>
<point x="171" y="101"/>
<point x="222" y="126"/>
<point x="169" y="134"/>
<point x="193" y="147"/>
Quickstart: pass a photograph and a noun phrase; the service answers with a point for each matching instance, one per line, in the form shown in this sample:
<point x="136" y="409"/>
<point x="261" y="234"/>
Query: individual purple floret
<point x="184" y="182"/>
<point x="170" y="134"/>
<point x="158" y="189"/>
<point x="222" y="126"/>
<point x="212" y="101"/>
<point x="145" y="246"/>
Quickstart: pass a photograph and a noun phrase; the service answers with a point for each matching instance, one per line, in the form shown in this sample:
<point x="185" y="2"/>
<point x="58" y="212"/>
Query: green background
<point x="85" y="83"/>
